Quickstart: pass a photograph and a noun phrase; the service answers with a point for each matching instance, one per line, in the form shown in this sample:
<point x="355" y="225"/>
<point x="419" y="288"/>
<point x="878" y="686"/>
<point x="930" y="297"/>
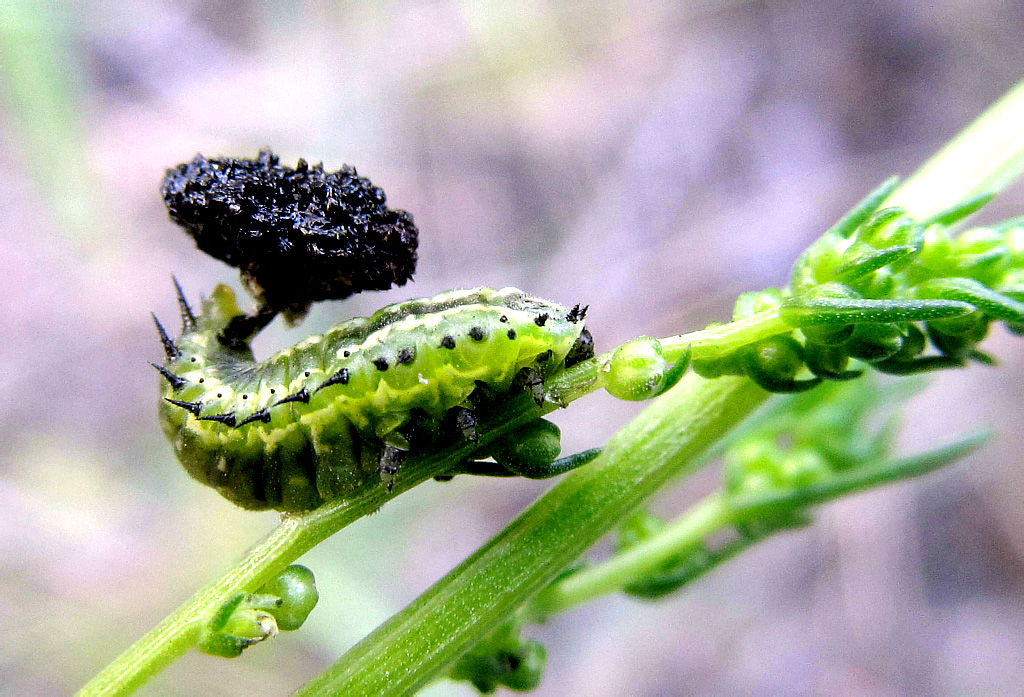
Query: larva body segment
<point x="311" y="422"/>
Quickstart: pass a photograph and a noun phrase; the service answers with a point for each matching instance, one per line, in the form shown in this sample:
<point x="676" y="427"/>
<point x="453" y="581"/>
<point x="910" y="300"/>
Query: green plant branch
<point x="296" y="534"/>
<point x="717" y="512"/>
<point x="983" y="158"/>
<point x="698" y="523"/>
<point x="423" y="639"/>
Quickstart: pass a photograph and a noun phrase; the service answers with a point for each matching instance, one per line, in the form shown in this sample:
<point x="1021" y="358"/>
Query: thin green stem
<point x="715" y="342"/>
<point x="717" y="512"/>
<point x="179" y="631"/>
<point x="690" y="529"/>
<point x="984" y="157"/>
<point x="422" y="640"/>
<point x="296" y="535"/>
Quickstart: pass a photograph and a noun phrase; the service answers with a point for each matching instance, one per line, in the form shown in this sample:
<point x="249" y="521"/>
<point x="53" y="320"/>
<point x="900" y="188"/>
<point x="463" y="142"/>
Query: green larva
<point x="320" y="419"/>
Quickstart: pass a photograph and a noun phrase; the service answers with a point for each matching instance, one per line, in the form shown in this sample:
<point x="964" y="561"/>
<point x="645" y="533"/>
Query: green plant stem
<point x="984" y="157"/>
<point x="718" y="341"/>
<point x="665" y="440"/>
<point x="296" y="535"/>
<point x="690" y="529"/>
<point x="179" y="631"/>
<point x="716" y="512"/>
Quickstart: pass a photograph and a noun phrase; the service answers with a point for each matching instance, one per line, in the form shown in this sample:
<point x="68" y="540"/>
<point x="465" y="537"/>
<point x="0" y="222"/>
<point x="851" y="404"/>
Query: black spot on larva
<point x="339" y="378"/>
<point x="273" y="391"/>
<point x="202" y="380"/>
<point x="307" y="373"/>
<point x="297" y="235"/>
<point x="545" y="357"/>
<point x="448" y="342"/>
<point x="477" y="334"/>
<point x="346" y="354"/>
<point x="381" y="363"/>
<point x="511" y="333"/>
<point x="193" y="359"/>
<point x="193" y="407"/>
<point x="261" y="415"/>
<point x="503" y="318"/>
<point x="300" y="396"/>
<point x="219" y="395"/>
<point x="406" y="356"/>
<point x="175" y="381"/>
<point x="245" y="396"/>
<point x="541" y="319"/>
<point x="227" y="418"/>
<point x="577" y="313"/>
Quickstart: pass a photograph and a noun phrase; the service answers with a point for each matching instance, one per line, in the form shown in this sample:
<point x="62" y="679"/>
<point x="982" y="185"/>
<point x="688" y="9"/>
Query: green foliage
<point x="503" y="659"/>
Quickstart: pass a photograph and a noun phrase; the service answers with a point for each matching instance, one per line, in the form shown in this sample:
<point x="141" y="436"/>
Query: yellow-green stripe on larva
<point x="310" y="422"/>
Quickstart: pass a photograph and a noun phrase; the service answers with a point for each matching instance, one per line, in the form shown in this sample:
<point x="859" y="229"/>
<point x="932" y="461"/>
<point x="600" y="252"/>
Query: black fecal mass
<point x="297" y="235"/>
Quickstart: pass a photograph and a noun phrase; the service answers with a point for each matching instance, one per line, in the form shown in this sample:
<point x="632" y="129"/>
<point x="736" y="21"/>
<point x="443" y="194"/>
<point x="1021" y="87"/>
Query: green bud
<point x="296" y="594"/>
<point x="875" y="342"/>
<point x="801" y="468"/>
<point x="530" y="447"/>
<point x="636" y="370"/>
<point x="937" y="253"/>
<point x="774" y="362"/>
<point x="751" y="465"/>
<point x="829" y="361"/>
<point x="235" y="626"/>
<point x="958" y="337"/>
<point x="886" y="227"/>
<point x="979" y="240"/>
<point x="981" y="254"/>
<point x="1013" y="239"/>
<point x="638" y="527"/>
<point x="524" y="666"/>
<point x="826" y="335"/>
<point x="914" y="342"/>
<point x="818" y="264"/>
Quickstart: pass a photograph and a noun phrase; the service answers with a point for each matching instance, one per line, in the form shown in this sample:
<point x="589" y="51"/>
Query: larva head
<point x="297" y="235"/>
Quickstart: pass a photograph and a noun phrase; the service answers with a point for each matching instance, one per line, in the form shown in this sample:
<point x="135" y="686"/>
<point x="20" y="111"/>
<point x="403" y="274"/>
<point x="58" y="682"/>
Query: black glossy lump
<point x="297" y="235"/>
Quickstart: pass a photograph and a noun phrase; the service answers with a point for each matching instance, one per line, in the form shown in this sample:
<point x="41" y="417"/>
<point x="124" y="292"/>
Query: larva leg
<point x="390" y="462"/>
<point x="484" y="468"/>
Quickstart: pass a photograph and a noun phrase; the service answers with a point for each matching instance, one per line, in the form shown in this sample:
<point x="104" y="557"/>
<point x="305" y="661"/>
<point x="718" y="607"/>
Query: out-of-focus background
<point x="651" y="159"/>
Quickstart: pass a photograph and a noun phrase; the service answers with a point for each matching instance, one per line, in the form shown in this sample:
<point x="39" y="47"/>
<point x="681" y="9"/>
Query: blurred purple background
<point x="652" y="159"/>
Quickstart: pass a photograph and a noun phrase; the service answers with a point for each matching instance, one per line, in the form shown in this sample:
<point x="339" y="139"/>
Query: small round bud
<point x="531" y="447"/>
<point x="298" y="595"/>
<point x="636" y="370"/>
<point x="525" y="666"/>
<point x="875" y="342"/>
